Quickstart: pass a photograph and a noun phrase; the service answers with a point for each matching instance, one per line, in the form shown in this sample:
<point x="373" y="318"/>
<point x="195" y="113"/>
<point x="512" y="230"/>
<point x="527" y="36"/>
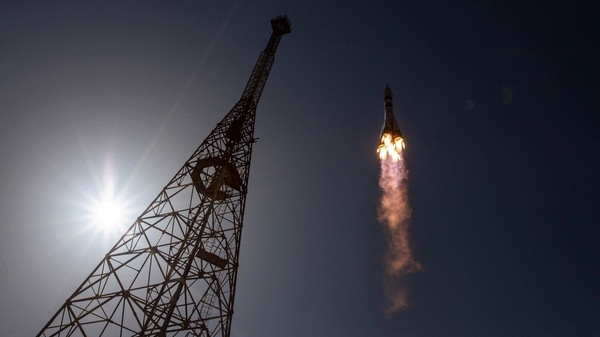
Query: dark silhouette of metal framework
<point x="174" y="271"/>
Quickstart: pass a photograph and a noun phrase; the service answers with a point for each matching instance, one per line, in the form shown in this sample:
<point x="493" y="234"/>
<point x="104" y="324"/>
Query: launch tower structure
<point x="173" y="273"/>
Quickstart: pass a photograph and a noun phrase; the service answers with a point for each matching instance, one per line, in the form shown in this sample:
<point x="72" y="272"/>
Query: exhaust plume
<point x="394" y="214"/>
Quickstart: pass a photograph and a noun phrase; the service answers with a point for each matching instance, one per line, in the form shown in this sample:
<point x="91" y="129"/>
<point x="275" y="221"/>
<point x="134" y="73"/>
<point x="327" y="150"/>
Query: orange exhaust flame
<point x="394" y="213"/>
<point x="391" y="149"/>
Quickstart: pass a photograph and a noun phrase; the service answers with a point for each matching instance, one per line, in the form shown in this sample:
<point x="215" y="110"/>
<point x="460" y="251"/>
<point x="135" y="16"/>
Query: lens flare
<point x="394" y="213"/>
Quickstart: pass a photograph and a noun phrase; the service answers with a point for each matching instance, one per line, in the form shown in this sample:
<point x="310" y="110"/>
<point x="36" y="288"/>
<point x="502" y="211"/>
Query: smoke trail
<point x="394" y="213"/>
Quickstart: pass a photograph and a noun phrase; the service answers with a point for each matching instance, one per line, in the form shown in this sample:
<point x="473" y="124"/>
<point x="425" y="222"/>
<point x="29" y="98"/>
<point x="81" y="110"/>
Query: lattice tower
<point x="173" y="273"/>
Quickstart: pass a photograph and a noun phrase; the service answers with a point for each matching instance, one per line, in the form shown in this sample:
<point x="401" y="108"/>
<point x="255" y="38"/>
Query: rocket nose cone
<point x="387" y="92"/>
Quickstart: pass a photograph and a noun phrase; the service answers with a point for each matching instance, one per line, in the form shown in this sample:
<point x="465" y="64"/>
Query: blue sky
<point x="497" y="101"/>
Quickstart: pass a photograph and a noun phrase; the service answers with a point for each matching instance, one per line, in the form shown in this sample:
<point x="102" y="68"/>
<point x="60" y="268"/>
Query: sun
<point x="108" y="211"/>
<point x="108" y="214"/>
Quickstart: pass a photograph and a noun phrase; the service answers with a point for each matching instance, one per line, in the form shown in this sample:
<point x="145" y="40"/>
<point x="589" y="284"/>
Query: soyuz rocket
<point x="390" y="125"/>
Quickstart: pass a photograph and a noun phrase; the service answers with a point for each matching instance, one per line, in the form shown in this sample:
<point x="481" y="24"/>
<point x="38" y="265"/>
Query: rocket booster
<point x="390" y="125"/>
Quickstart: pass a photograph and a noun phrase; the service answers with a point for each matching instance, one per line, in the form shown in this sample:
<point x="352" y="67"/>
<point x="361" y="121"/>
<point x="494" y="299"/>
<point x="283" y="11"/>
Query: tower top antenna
<point x="281" y="25"/>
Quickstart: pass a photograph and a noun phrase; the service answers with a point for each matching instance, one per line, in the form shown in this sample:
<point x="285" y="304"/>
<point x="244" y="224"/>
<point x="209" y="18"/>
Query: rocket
<point x="390" y="125"/>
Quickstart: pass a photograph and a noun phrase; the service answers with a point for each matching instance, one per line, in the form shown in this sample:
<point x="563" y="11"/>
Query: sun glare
<point x="108" y="212"/>
<point x="101" y="206"/>
<point x="108" y="215"/>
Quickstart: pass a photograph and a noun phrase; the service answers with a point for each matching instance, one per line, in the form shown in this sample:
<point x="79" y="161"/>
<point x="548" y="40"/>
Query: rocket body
<point x="390" y="125"/>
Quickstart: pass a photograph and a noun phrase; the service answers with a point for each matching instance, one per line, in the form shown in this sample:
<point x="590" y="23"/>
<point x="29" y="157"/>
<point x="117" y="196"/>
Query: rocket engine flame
<point x="394" y="213"/>
<point x="389" y="148"/>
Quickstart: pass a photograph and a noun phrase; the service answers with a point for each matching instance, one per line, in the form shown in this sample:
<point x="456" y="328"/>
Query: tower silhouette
<point x="173" y="273"/>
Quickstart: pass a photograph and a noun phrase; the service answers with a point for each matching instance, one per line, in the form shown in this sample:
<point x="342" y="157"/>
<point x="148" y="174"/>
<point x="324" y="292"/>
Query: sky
<point x="497" y="100"/>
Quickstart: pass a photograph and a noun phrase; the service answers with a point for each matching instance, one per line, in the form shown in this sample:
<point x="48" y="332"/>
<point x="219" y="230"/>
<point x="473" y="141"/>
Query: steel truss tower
<point x="174" y="271"/>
